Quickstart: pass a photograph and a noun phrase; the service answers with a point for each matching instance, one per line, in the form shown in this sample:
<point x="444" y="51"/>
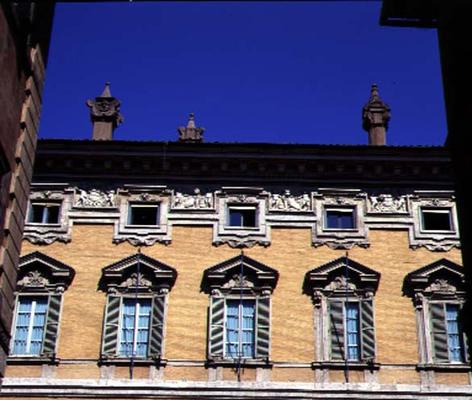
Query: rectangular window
<point x="352" y="331"/>
<point x="29" y="325"/>
<point x="143" y="214"/>
<point x="44" y="213"/>
<point x="239" y="328"/>
<point x="134" y="327"/>
<point x="436" y="219"/>
<point x="454" y="342"/>
<point x="339" y="218"/>
<point x="241" y="216"/>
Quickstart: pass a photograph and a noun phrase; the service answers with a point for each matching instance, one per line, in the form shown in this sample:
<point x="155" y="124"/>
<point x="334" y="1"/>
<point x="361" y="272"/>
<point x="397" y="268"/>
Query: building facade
<point x="239" y="270"/>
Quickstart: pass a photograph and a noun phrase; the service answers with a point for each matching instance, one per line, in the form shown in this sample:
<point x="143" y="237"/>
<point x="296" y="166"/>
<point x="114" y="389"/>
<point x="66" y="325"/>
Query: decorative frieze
<point x="287" y="202"/>
<point x="94" y="198"/>
<point x="195" y="201"/>
<point x="387" y="204"/>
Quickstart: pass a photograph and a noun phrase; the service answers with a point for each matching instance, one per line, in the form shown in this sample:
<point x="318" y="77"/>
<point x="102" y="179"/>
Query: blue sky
<point x="285" y="72"/>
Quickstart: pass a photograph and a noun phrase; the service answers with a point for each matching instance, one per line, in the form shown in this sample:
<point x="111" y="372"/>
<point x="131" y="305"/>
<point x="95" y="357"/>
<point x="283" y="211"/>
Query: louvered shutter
<point x="336" y="316"/>
<point x="464" y="338"/>
<point x="367" y="330"/>
<point x="157" y="326"/>
<point x="111" y="326"/>
<point x="263" y="327"/>
<point x="439" y="332"/>
<point x="52" y="325"/>
<point x="216" y="328"/>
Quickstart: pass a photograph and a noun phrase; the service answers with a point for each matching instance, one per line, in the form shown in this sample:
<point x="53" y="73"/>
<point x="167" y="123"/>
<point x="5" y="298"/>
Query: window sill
<point x="245" y="363"/>
<point x="241" y="228"/>
<point x="340" y="365"/>
<point x="32" y="360"/>
<point x="137" y="361"/>
<point x="449" y="367"/>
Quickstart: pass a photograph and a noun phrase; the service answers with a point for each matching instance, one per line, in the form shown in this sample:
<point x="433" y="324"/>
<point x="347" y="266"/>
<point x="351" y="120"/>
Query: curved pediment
<point x="240" y="272"/>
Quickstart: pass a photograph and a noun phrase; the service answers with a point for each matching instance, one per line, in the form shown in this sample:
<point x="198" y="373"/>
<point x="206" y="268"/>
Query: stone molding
<point x="373" y="209"/>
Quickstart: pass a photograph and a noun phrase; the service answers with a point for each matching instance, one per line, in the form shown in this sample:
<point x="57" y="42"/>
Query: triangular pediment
<point x="344" y="268"/>
<point x="258" y="273"/>
<point x="442" y="270"/>
<point x="43" y="267"/>
<point x="154" y="270"/>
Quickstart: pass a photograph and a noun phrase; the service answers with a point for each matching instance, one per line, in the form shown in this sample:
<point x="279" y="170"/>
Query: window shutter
<point x="336" y="316"/>
<point x="52" y="325"/>
<point x="367" y="330"/>
<point x="439" y="332"/>
<point x="157" y="326"/>
<point x="464" y="336"/>
<point x="216" y="329"/>
<point x="263" y="327"/>
<point x="111" y="326"/>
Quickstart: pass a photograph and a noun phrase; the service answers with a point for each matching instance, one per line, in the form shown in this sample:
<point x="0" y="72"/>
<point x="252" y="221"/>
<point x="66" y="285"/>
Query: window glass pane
<point x="439" y="220"/>
<point x="135" y="322"/>
<point x="339" y="219"/>
<point x="143" y="215"/>
<point x="239" y="328"/>
<point x="352" y="331"/>
<point x="36" y="213"/>
<point x="29" y="326"/>
<point x="52" y="214"/>
<point x="454" y="341"/>
<point x="243" y="218"/>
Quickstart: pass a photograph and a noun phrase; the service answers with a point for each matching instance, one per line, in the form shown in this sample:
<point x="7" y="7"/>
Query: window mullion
<point x="30" y="326"/>
<point x="136" y="326"/>
<point x="240" y="329"/>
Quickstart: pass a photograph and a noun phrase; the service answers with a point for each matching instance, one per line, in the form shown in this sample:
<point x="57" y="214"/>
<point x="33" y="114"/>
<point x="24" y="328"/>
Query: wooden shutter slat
<point x="111" y="326"/>
<point x="263" y="327"/>
<point x="336" y="316"/>
<point x="367" y="330"/>
<point x="52" y="325"/>
<point x="157" y="326"/>
<point x="216" y="327"/>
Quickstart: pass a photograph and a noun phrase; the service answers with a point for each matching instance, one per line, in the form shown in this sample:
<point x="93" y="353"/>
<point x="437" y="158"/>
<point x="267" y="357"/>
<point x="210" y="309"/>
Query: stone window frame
<point x="442" y="281"/>
<point x="44" y="233"/>
<point x="328" y="283"/>
<point x="120" y="281"/>
<point x="433" y="240"/>
<point x="354" y="199"/>
<point x="143" y="235"/>
<point x="240" y="237"/>
<point x="42" y="276"/>
<point x="240" y="277"/>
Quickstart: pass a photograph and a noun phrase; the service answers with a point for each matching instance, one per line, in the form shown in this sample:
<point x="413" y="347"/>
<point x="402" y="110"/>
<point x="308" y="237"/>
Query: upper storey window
<point x="242" y="216"/>
<point x="436" y="219"/>
<point x="143" y="214"/>
<point x="340" y="218"/>
<point x="44" y="213"/>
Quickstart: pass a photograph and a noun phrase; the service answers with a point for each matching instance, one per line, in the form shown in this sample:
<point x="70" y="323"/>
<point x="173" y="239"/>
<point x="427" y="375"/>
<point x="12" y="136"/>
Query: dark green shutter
<point x="157" y="326"/>
<point x="336" y="316"/>
<point x="216" y="328"/>
<point x="439" y="332"/>
<point x="263" y="327"/>
<point x="367" y="330"/>
<point x="52" y="325"/>
<point x="111" y="326"/>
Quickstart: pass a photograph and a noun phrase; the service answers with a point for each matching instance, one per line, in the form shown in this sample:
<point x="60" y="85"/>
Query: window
<point x="29" y="326"/>
<point x="44" y="213"/>
<point x="239" y="328"/>
<point x="436" y="219"/>
<point x="137" y="288"/>
<point x="339" y="218"/>
<point x="134" y="327"/>
<point x="242" y="216"/>
<point x="239" y="322"/>
<point x="143" y="214"/>
<point x="438" y="291"/>
<point x="41" y="282"/>
<point x="343" y="293"/>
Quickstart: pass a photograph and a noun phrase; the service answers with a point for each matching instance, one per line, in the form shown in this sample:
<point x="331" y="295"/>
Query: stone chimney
<point x="190" y="133"/>
<point x="104" y="114"/>
<point x="375" y="117"/>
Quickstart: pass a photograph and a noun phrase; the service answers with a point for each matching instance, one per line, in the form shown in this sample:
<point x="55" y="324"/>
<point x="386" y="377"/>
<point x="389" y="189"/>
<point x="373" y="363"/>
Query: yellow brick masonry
<point x="190" y="252"/>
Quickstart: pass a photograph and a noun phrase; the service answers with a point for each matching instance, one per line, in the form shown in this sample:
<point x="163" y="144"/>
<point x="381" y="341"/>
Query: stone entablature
<point x="371" y="209"/>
